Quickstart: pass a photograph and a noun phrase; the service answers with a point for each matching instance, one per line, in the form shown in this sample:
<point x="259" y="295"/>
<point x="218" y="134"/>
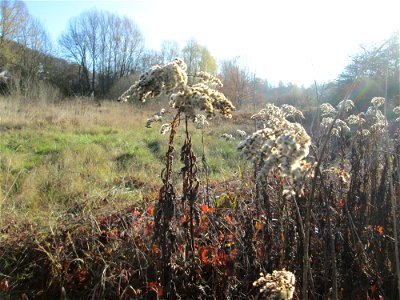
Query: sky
<point x="279" y="40"/>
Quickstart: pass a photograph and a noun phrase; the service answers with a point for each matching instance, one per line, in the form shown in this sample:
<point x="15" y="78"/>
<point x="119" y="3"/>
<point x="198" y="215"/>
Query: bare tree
<point x="74" y="45"/>
<point x="236" y="80"/>
<point x="12" y="15"/>
<point x="106" y="46"/>
<point x="192" y="55"/>
<point x="198" y="58"/>
<point x="169" y="51"/>
<point x="24" y="44"/>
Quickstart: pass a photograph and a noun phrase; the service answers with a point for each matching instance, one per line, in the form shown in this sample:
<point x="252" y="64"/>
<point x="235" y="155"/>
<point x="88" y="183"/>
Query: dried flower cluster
<point x="396" y="111"/>
<point x="172" y="79"/>
<point x="202" y="97"/>
<point x="156" y="79"/>
<point x="208" y="78"/>
<point x="200" y="121"/>
<point x="282" y="145"/>
<point x="377" y="101"/>
<point x="228" y="137"/>
<point x="355" y="120"/>
<point x="372" y="121"/>
<point x="280" y="285"/>
<point x="339" y="174"/>
<point x="291" y="111"/>
<point x="328" y="113"/>
<point x="241" y="133"/>
<point x="327" y="110"/>
<point x="268" y="115"/>
<point x="165" y="128"/>
<point x="158" y="117"/>
<point x="339" y="127"/>
<point x="345" y="105"/>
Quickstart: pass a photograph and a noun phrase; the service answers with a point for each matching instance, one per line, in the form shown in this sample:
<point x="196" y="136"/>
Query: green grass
<point x="58" y="159"/>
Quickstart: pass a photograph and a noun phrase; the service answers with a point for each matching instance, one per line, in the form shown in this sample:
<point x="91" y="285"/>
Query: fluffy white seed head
<point x="241" y="133"/>
<point x="345" y="105"/>
<point x="377" y="101"/>
<point x="291" y="111"/>
<point x="228" y="137"/>
<point x="201" y="97"/>
<point x="280" y="285"/>
<point x="355" y="120"/>
<point x="172" y="79"/>
<point x="208" y="78"/>
<point x="200" y="121"/>
<point x="327" y="110"/>
<point x="165" y="128"/>
<point x="157" y="79"/>
<point x="280" y="145"/>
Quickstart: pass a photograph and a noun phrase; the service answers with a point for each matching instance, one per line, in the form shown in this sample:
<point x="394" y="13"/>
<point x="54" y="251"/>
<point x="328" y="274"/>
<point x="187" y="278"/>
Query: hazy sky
<point x="293" y="41"/>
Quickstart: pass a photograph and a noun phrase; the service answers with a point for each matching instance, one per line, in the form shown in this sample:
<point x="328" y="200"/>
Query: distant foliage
<point x="365" y="76"/>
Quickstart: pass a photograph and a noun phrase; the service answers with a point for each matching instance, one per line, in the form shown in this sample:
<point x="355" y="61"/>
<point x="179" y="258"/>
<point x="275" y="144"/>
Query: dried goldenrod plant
<point x="280" y="144"/>
<point x="279" y="285"/>
<point x="172" y="80"/>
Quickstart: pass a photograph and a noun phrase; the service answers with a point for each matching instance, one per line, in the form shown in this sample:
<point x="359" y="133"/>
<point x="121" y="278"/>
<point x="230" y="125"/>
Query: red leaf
<point x="380" y="230"/>
<point x="221" y="255"/>
<point x="203" y="255"/>
<point x="156" y="287"/>
<point x="4" y="285"/>
<point x="155" y="249"/>
<point x="207" y="209"/>
<point x="150" y="210"/>
<point x="258" y="226"/>
<point x="228" y="219"/>
<point x="232" y="254"/>
<point x="81" y="275"/>
<point x="373" y="288"/>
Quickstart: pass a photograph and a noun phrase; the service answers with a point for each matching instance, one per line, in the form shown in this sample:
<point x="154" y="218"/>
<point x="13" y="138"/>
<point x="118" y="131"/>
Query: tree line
<point x="101" y="53"/>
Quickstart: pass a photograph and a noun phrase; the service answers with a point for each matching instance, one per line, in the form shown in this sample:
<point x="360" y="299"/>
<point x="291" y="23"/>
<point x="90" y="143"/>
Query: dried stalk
<point x="165" y="212"/>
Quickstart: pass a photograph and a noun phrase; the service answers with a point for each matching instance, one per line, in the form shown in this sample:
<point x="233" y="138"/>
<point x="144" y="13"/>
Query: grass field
<point x="58" y="158"/>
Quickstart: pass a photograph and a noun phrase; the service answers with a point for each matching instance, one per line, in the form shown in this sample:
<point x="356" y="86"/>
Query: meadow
<point x="74" y="160"/>
<point x="56" y="157"/>
<point x="79" y="211"/>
